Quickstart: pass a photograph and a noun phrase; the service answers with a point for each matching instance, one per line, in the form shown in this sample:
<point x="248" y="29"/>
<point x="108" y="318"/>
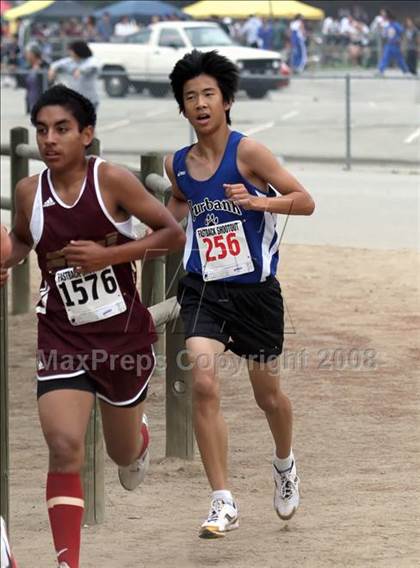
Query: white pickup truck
<point x="145" y="58"/>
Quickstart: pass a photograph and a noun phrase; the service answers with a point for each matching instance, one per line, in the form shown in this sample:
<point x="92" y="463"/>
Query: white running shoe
<point x="223" y="517"/>
<point x="7" y="560"/>
<point x="63" y="565"/>
<point x="132" y="475"/>
<point x="286" y="492"/>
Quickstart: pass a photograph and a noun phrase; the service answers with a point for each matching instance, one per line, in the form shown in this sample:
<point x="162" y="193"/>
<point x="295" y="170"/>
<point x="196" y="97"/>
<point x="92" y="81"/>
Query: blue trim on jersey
<point x="208" y="205"/>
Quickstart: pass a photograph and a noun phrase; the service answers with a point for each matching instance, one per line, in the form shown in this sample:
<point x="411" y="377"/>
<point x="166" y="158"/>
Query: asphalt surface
<point x="303" y="121"/>
<point x="374" y="206"/>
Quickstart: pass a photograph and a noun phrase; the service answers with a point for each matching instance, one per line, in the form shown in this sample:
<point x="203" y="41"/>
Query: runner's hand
<point x="239" y="194"/>
<point x="86" y="256"/>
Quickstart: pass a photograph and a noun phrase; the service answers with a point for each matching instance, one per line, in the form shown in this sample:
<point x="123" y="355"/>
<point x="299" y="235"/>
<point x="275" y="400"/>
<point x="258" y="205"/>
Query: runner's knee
<point x="205" y="388"/>
<point x="269" y="401"/>
<point x="66" y="451"/>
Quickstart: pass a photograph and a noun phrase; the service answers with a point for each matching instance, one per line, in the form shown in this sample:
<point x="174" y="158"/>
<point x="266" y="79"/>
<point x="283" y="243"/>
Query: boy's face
<point x="59" y="139"/>
<point x="204" y="106"/>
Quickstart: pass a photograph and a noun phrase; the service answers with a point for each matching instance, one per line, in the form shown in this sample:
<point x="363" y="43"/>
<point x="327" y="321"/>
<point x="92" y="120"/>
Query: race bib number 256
<point x="224" y="251"/>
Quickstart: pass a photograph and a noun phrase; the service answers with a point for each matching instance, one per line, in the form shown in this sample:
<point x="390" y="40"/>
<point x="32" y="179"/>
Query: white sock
<point x="223" y="494"/>
<point x="283" y="464"/>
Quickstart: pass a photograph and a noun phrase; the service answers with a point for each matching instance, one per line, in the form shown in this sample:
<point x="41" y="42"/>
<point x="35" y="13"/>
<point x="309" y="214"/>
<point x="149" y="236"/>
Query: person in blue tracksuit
<point x="231" y="189"/>
<point x="297" y="38"/>
<point x="393" y="32"/>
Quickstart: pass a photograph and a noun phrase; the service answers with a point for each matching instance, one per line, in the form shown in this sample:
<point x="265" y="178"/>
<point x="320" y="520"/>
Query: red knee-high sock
<point x="146" y="438"/>
<point x="65" y="509"/>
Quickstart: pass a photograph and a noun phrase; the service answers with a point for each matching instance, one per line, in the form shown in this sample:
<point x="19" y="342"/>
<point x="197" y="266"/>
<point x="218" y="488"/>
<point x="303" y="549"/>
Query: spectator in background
<point x="412" y="43"/>
<point x="36" y="81"/>
<point x="125" y="27"/>
<point x="393" y="33"/>
<point x="297" y="39"/>
<point x="358" y="40"/>
<point x="379" y="22"/>
<point x="377" y="27"/>
<point x="226" y="24"/>
<point x="10" y="56"/>
<point x="266" y="34"/>
<point x="70" y="28"/>
<point x="330" y="31"/>
<point x="280" y="28"/>
<point x="250" y="31"/>
<point x="80" y="71"/>
<point x="90" y="32"/>
<point x="23" y="32"/>
<point x="345" y="27"/>
<point x="104" y="27"/>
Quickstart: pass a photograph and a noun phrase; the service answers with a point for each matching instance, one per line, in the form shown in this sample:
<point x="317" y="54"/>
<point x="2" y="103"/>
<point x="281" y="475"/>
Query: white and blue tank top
<point x="217" y="228"/>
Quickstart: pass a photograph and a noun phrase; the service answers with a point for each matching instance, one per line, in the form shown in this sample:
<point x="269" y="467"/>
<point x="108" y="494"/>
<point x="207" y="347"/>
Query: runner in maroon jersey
<point x="94" y="335"/>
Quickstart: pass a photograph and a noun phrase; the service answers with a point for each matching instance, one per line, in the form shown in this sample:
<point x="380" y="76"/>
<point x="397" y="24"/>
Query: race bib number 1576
<point x="90" y="297"/>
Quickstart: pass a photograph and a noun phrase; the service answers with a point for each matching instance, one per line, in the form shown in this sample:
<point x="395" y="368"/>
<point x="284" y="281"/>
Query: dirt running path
<point x="354" y="390"/>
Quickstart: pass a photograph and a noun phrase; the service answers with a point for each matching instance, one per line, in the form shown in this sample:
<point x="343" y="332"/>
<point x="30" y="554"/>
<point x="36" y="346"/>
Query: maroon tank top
<point x="127" y="332"/>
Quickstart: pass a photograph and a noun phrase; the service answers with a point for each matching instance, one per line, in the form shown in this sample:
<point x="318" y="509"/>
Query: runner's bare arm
<point x="124" y="191"/>
<point x="177" y="204"/>
<point x="21" y="235"/>
<point x="257" y="162"/>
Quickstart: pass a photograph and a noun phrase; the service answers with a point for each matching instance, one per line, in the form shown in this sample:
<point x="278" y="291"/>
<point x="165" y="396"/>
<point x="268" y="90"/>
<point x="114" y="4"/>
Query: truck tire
<point x="159" y="90"/>
<point x="116" y="85"/>
<point x="256" y="92"/>
<point x="138" y="86"/>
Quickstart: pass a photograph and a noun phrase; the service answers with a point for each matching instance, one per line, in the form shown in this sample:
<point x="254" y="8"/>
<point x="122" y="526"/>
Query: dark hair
<point x="390" y="15"/>
<point x="211" y="63"/>
<point x="81" y="49"/>
<point x="78" y="105"/>
<point x="35" y="49"/>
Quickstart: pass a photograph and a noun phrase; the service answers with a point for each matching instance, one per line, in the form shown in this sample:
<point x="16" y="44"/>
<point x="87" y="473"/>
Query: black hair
<point x="210" y="63"/>
<point x="78" y="105"/>
<point x="35" y="49"/>
<point x="81" y="49"/>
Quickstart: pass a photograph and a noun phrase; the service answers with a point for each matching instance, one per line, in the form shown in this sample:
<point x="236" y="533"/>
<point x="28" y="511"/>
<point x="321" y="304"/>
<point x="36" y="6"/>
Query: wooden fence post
<point x="153" y="270"/>
<point x="179" y="425"/>
<point x="93" y="471"/>
<point x="19" y="168"/>
<point x="4" y="410"/>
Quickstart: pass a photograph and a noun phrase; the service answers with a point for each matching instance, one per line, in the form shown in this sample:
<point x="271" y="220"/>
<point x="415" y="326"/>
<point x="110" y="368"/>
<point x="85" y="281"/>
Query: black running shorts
<point x="247" y="318"/>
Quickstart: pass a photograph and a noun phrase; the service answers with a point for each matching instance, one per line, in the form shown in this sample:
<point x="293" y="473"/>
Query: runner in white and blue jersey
<point x="231" y="188"/>
<point x="209" y="206"/>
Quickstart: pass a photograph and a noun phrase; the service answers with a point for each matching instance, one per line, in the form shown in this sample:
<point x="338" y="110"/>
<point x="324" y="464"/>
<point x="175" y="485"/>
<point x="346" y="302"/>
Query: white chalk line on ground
<point x="126" y="121"/>
<point x="268" y="125"/>
<point x="290" y="114"/>
<point x="260" y="128"/>
<point x="114" y="125"/>
<point x="155" y="112"/>
<point x="413" y="136"/>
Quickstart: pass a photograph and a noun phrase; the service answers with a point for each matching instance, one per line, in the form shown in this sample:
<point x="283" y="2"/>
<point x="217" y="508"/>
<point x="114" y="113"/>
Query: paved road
<point x="306" y="119"/>
<point x="367" y="207"/>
